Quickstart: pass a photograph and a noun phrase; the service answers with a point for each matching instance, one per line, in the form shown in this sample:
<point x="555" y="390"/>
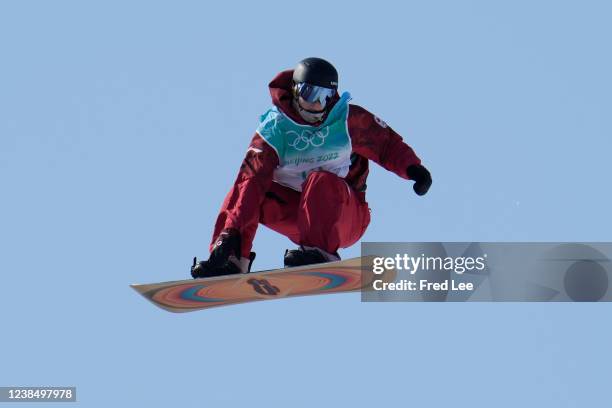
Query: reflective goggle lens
<point x="312" y="93"/>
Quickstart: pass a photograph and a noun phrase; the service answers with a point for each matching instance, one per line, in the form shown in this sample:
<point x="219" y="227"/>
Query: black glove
<point x="227" y="244"/>
<point x="421" y="177"/>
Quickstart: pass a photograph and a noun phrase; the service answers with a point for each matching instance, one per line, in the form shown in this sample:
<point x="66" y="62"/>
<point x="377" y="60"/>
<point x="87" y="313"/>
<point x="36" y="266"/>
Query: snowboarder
<point x="304" y="174"/>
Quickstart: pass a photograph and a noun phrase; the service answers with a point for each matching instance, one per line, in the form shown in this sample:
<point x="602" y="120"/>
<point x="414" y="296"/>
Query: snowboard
<point x="204" y="293"/>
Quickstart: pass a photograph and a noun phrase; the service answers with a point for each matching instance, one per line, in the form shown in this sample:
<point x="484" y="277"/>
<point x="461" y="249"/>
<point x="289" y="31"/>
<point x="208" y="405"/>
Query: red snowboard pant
<point x="327" y="214"/>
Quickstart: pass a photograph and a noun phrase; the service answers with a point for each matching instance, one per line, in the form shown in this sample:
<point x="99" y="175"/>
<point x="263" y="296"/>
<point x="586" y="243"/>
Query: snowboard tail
<point x="196" y="294"/>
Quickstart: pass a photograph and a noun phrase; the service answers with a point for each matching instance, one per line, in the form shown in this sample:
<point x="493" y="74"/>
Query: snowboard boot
<point x="305" y="255"/>
<point x="232" y="266"/>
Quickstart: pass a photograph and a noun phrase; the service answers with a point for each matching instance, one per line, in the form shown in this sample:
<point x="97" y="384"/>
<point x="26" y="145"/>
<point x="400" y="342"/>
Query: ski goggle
<point x="312" y="93"/>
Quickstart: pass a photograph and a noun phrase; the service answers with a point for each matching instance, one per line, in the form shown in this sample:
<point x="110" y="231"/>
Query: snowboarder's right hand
<point x="227" y="244"/>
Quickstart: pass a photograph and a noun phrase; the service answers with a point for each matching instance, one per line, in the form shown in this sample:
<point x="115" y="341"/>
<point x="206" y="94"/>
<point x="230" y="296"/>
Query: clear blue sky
<point x="123" y="124"/>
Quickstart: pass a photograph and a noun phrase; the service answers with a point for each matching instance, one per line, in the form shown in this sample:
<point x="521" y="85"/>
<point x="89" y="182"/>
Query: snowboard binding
<point x="205" y="269"/>
<point x="307" y="256"/>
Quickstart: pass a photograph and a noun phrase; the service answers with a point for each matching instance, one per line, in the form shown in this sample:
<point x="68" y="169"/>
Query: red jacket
<point x="371" y="139"/>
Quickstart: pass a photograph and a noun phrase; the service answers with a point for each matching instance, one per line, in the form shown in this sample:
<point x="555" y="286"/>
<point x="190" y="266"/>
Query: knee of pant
<point x="325" y="185"/>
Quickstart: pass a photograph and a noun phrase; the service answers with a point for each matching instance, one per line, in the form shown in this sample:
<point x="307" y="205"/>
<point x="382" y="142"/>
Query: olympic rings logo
<point x="308" y="138"/>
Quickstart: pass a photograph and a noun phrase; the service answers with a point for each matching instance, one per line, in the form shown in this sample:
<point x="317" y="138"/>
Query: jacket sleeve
<point x="241" y="207"/>
<point x="373" y="139"/>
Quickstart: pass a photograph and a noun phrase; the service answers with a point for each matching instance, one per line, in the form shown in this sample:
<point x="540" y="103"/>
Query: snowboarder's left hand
<point x="421" y="177"/>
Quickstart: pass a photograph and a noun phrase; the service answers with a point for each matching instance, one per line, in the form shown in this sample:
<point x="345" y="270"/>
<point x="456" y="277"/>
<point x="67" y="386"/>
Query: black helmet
<point x="316" y="71"/>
